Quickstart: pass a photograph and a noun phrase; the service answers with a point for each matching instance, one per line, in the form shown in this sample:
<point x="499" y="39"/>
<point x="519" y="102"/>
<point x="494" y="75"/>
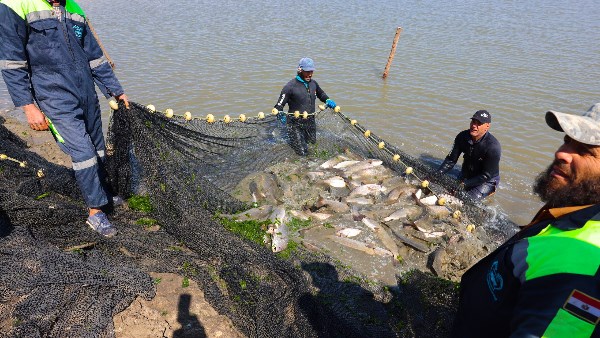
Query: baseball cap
<point x="306" y="64"/>
<point x="582" y="128"/>
<point x="482" y="116"/>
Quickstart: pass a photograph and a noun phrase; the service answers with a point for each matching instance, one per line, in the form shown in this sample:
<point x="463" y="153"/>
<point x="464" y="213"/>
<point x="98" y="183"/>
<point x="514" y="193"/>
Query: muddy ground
<point x="175" y="311"/>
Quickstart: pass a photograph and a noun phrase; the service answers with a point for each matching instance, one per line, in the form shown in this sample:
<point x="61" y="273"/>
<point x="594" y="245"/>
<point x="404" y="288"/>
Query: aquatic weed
<point x="140" y="203"/>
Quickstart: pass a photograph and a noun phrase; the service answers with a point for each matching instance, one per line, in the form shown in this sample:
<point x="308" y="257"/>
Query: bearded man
<point x="545" y="280"/>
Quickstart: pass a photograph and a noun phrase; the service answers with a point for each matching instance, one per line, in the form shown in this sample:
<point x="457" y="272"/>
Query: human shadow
<point x="190" y="325"/>
<point x="5" y="226"/>
<point x="343" y="308"/>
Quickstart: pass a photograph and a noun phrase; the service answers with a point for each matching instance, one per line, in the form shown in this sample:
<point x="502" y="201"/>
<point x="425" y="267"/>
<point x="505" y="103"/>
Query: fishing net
<point x="58" y="278"/>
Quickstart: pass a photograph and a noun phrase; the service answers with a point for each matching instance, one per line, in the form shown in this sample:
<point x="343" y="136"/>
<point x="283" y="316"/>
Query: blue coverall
<point x="49" y="55"/>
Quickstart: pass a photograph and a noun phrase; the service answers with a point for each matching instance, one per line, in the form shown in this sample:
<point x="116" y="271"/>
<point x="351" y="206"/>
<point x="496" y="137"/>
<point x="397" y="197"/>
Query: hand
<point x="123" y="98"/>
<point x="282" y="117"/>
<point x="330" y="104"/>
<point x="35" y="117"/>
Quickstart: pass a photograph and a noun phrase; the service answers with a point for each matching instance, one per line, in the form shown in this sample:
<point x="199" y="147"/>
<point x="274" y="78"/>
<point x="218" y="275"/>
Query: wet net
<point x="59" y="279"/>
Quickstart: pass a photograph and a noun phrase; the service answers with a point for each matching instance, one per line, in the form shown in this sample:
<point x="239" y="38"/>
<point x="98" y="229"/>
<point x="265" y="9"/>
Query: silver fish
<point x="348" y="232"/>
<point x="278" y="230"/>
<point x="362" y="165"/>
<point x="367" y="189"/>
<point x="359" y="200"/>
<point x="371" y="224"/>
<point x="335" y="181"/>
<point x="332" y="204"/>
<point x="344" y="164"/>
<point x="259" y="214"/>
<point x="364" y="247"/>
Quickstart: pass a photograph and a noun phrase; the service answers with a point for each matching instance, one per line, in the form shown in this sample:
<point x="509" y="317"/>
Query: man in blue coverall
<point x="50" y="61"/>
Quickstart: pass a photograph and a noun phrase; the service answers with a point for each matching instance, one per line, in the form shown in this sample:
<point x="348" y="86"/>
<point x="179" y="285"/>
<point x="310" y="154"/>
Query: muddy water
<point x="515" y="59"/>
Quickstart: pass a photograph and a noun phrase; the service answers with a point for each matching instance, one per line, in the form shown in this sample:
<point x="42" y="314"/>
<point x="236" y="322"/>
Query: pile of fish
<point x="365" y="215"/>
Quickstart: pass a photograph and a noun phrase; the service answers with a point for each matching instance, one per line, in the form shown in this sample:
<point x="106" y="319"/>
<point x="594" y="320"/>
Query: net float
<point x="113" y="104"/>
<point x="169" y="112"/>
<point x="226" y="119"/>
<point x="151" y="108"/>
<point x="187" y="116"/>
<point x="210" y="118"/>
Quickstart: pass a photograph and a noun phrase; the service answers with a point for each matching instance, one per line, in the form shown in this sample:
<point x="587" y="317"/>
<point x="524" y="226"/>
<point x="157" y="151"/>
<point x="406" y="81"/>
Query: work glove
<point x="282" y="117"/>
<point x="330" y="104"/>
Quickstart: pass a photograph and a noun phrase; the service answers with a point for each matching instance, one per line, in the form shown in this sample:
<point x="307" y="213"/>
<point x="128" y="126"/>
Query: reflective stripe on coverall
<point x="55" y="60"/>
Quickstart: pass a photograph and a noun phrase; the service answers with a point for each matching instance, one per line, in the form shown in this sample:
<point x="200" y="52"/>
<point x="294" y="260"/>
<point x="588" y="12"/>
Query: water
<point x="515" y="59"/>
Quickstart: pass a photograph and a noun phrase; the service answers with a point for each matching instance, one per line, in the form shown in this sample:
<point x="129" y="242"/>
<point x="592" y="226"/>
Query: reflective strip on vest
<point x="565" y="324"/>
<point x="85" y="164"/>
<point x="39" y="15"/>
<point x="98" y="62"/>
<point x="10" y="64"/>
<point x="75" y="17"/>
<point x="555" y="251"/>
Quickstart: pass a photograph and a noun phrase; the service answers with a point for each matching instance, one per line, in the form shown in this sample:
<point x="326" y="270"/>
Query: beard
<point x="584" y="191"/>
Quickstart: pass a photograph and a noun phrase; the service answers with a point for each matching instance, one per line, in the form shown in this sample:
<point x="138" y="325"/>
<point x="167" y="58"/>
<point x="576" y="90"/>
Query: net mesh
<point x="58" y="278"/>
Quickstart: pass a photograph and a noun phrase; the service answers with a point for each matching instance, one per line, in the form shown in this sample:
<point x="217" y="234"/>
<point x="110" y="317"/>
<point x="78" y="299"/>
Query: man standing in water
<point x="50" y="60"/>
<point x="300" y="95"/>
<point x="545" y="280"/>
<point x="480" y="173"/>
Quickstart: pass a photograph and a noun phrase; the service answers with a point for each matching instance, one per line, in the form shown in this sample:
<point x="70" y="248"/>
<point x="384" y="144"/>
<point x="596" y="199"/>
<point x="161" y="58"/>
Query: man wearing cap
<point x="300" y="95"/>
<point x="545" y="280"/>
<point x="480" y="173"/>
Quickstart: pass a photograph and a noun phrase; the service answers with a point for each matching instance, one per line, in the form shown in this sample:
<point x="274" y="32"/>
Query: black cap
<point x="482" y="116"/>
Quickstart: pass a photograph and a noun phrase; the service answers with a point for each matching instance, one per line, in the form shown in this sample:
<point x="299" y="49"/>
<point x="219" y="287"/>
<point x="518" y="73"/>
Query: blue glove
<point x="282" y="117"/>
<point x="330" y="104"/>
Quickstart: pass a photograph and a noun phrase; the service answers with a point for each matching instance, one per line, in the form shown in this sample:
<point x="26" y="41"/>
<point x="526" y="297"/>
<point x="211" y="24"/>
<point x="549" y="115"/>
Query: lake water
<point x="517" y="59"/>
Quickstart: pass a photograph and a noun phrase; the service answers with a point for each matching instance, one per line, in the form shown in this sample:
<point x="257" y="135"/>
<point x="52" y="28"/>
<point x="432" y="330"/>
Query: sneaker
<point x="100" y="223"/>
<point x="118" y="201"/>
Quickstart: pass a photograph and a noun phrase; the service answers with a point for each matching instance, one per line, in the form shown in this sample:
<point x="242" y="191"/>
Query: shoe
<point x="100" y="223"/>
<point x="118" y="201"/>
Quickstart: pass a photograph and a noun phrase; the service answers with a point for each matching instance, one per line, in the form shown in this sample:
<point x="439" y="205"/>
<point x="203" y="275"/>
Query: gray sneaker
<point x="100" y="223"/>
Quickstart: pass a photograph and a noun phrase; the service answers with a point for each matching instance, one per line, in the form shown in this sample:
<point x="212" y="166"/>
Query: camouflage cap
<point x="584" y="128"/>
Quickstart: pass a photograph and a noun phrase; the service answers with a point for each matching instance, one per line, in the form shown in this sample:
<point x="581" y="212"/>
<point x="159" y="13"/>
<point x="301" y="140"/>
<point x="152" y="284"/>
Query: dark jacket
<point x="300" y="96"/>
<point x="481" y="159"/>
<point x="544" y="281"/>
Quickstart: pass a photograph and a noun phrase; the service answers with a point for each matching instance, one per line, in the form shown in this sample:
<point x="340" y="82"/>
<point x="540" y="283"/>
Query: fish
<point x="362" y="165"/>
<point x="369" y="174"/>
<point x="388" y="241"/>
<point x="410" y="242"/>
<point x="335" y="181"/>
<point x="359" y="200"/>
<point x="344" y="164"/>
<point x="332" y="162"/>
<point x="258" y="214"/>
<point x="429" y="200"/>
<point x="361" y="246"/>
<point x="398" y="214"/>
<point x="371" y="224"/>
<point x="319" y="216"/>
<point x="278" y="230"/>
<point x="395" y="194"/>
<point x="367" y="189"/>
<point x="333" y="205"/>
<point x="301" y="215"/>
<point x="348" y="232"/>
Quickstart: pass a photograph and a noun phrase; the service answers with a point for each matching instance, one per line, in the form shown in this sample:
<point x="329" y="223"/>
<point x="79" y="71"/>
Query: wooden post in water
<point x="392" y="52"/>
<point x="110" y="61"/>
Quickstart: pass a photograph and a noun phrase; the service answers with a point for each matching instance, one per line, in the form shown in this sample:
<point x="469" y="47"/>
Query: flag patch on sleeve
<point x="583" y="306"/>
